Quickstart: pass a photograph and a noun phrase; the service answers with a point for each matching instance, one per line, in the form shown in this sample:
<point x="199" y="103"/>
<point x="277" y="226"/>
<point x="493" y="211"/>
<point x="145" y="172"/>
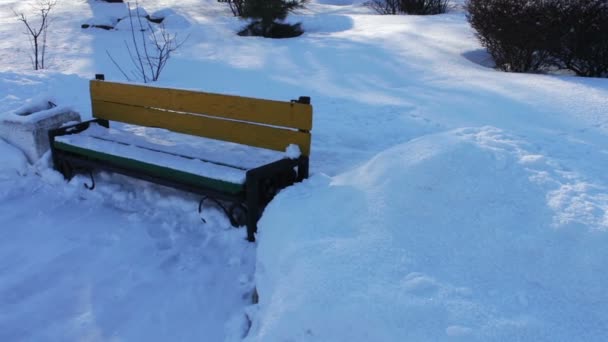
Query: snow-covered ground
<point x="447" y="202"/>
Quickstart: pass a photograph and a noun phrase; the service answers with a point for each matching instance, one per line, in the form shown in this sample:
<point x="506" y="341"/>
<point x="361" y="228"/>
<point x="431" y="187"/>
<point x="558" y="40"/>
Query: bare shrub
<point x="532" y="35"/>
<point x="236" y="6"/>
<point x="581" y="36"/>
<point x="37" y="32"/>
<point x="422" y="7"/>
<point x="384" y="6"/>
<point x="513" y="31"/>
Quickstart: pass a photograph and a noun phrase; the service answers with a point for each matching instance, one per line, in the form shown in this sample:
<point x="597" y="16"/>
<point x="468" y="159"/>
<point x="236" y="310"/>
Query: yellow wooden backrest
<point x="255" y="122"/>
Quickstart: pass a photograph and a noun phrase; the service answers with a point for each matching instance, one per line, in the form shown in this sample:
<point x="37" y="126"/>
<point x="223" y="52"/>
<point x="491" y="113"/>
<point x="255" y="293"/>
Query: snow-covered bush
<point x="408" y="6"/>
<point x="532" y="35"/>
<point x="265" y="14"/>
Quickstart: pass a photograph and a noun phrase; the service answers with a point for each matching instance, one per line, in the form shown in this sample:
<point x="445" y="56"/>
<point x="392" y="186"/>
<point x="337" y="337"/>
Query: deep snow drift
<point x="448" y="237"/>
<point x="448" y="201"/>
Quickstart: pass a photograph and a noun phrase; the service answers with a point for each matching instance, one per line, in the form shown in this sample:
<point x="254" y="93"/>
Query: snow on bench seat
<point x="195" y="160"/>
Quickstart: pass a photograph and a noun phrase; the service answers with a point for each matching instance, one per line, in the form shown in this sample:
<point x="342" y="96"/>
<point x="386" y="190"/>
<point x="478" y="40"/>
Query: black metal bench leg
<point x="253" y="207"/>
<point x="64" y="167"/>
<point x="303" y="163"/>
<point x="219" y="204"/>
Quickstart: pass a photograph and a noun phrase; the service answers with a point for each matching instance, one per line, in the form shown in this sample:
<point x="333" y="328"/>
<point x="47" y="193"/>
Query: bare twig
<point x="118" y="66"/>
<point x="150" y="53"/>
<point x="236" y="6"/>
<point x="137" y="49"/>
<point x="384" y="6"/>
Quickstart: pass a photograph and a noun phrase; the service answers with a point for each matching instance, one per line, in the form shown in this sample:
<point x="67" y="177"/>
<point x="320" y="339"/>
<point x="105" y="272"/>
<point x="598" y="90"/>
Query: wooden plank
<point x="276" y="113"/>
<point x="155" y="170"/>
<point x="269" y="137"/>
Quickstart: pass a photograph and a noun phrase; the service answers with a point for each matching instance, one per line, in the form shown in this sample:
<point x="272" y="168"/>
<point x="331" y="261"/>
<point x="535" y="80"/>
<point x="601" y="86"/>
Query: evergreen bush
<point x="265" y="15"/>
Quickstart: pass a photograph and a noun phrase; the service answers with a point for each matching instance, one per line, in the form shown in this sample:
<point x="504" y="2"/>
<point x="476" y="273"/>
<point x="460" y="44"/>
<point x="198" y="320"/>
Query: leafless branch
<point x="118" y="66"/>
<point x="151" y="52"/>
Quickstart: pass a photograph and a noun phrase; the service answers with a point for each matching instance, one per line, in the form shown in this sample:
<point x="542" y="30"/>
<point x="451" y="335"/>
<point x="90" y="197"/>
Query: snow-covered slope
<point x="452" y="236"/>
<point x="448" y="201"/>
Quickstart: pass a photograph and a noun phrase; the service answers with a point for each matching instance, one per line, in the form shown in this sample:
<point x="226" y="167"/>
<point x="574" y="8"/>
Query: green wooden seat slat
<point x="155" y="170"/>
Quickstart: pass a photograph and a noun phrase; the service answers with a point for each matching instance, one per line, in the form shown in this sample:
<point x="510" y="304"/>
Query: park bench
<point x="228" y="149"/>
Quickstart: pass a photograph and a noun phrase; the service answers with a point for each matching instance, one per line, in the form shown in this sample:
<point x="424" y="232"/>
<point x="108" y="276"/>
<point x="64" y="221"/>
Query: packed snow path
<point x="124" y="263"/>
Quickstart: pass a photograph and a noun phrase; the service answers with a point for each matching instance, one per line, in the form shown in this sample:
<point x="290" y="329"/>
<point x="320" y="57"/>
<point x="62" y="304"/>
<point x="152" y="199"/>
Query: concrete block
<point x="27" y="128"/>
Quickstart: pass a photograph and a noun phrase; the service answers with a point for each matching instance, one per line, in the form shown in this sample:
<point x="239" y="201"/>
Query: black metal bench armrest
<point x="253" y="186"/>
<point x="272" y="168"/>
<point x="76" y="128"/>
<point x="71" y="129"/>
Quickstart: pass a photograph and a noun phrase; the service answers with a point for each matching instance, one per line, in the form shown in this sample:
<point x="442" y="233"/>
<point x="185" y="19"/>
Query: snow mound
<point x="36" y="104"/>
<point x="37" y="108"/>
<point x="107" y="21"/>
<point x="132" y="24"/>
<point x="323" y="23"/>
<point x="172" y="20"/>
<point x="106" y="14"/>
<point x="451" y="236"/>
<point x="139" y="12"/>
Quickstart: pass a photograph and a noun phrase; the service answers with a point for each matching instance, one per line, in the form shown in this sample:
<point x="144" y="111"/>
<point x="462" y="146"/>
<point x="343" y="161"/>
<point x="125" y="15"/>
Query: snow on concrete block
<point x="27" y="127"/>
<point x="14" y="161"/>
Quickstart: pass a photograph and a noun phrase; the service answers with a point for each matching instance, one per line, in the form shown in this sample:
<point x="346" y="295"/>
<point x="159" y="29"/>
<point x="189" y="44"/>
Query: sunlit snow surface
<point x="448" y="201"/>
<point x="452" y="236"/>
